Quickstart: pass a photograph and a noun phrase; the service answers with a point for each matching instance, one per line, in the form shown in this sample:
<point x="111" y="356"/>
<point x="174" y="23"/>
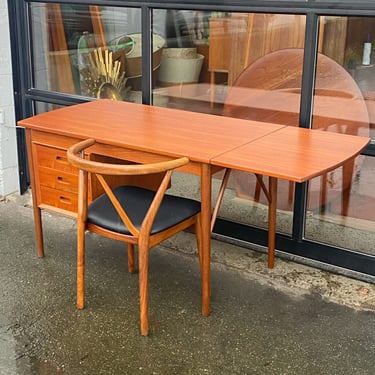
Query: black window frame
<point x="356" y="264"/>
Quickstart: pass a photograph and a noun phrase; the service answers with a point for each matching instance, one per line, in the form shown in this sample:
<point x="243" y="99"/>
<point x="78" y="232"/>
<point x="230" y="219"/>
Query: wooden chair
<point x="131" y="214"/>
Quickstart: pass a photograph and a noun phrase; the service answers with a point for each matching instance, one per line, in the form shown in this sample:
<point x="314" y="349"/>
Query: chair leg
<point x="143" y="253"/>
<point x="81" y="265"/>
<point x="131" y="267"/>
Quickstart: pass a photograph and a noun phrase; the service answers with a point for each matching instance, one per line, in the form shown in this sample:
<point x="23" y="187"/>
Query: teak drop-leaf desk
<point x="141" y="133"/>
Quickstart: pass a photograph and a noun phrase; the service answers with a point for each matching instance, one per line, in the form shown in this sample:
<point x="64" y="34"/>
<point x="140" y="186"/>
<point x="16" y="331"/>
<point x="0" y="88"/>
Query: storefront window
<point x="87" y="50"/>
<point x="254" y="72"/>
<point x="343" y="212"/>
<point x="244" y="65"/>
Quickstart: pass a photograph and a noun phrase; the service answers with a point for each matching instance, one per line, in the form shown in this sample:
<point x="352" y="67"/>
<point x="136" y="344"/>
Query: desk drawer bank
<point x="56" y="181"/>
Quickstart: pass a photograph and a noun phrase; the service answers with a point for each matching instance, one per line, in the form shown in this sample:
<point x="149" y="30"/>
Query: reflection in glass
<point x="343" y="214"/>
<point x="219" y="47"/>
<point x="245" y="65"/>
<point x="253" y="70"/>
<point x="264" y="77"/>
<point x="87" y="50"/>
<point x="41" y="107"/>
<point x="245" y="73"/>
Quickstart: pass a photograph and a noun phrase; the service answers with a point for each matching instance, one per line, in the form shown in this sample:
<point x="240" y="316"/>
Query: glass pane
<point x="180" y="73"/>
<point x="240" y="65"/>
<point x="86" y="50"/>
<point x="342" y="201"/>
<point x="207" y="53"/>
<point x="41" y="107"/>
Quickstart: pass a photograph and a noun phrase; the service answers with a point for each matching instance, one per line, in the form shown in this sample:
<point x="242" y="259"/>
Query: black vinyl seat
<point x="136" y="202"/>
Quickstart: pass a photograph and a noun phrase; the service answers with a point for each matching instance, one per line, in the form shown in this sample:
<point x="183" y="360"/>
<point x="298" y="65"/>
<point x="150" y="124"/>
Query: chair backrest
<point x="253" y="35"/>
<point x="102" y="169"/>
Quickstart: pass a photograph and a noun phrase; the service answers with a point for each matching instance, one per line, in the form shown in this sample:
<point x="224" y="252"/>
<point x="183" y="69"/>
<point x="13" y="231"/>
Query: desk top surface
<point x="147" y="128"/>
<point x="274" y="150"/>
<point x="294" y="154"/>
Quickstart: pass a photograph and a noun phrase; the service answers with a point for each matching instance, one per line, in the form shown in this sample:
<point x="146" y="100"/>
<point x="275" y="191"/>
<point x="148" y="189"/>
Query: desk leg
<point x="206" y="234"/>
<point x="38" y="229"/>
<point x="272" y="221"/>
<point x="37" y="211"/>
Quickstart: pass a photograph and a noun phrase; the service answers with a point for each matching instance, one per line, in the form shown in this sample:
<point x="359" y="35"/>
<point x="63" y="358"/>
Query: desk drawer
<point x="60" y="199"/>
<point x="58" y="179"/>
<point x="54" y="158"/>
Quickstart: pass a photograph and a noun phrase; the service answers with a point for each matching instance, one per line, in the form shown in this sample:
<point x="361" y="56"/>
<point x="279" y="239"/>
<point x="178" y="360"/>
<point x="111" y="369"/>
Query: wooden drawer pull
<point x="61" y="158"/>
<point x="62" y="180"/>
<point x="65" y="200"/>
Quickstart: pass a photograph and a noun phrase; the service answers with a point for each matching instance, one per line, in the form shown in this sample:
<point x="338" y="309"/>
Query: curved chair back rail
<point x="118" y="169"/>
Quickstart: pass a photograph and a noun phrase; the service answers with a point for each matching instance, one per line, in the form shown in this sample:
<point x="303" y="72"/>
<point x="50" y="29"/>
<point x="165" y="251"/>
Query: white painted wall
<point x="9" y="182"/>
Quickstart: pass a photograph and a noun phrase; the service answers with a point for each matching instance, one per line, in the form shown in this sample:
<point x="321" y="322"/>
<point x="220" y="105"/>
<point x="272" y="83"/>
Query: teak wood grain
<point x="141" y="133"/>
<point x="163" y="131"/>
<point x="293" y="154"/>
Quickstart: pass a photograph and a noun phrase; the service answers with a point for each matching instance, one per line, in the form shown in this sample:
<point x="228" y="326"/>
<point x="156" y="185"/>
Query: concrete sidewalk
<point x="293" y="319"/>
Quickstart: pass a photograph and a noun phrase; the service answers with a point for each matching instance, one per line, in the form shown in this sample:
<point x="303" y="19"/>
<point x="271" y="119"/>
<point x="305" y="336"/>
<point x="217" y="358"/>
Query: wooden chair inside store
<point x="239" y="40"/>
<point x="269" y="90"/>
<point x="135" y="215"/>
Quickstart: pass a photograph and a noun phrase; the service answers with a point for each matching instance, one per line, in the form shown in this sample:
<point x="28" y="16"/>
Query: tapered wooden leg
<point x="80" y="265"/>
<point x="198" y="236"/>
<point x="220" y="197"/>
<point x="257" y="191"/>
<point x="272" y="221"/>
<point x="206" y="237"/>
<point x="143" y="287"/>
<point x="36" y="210"/>
<point x="38" y="230"/>
<point x="131" y="267"/>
